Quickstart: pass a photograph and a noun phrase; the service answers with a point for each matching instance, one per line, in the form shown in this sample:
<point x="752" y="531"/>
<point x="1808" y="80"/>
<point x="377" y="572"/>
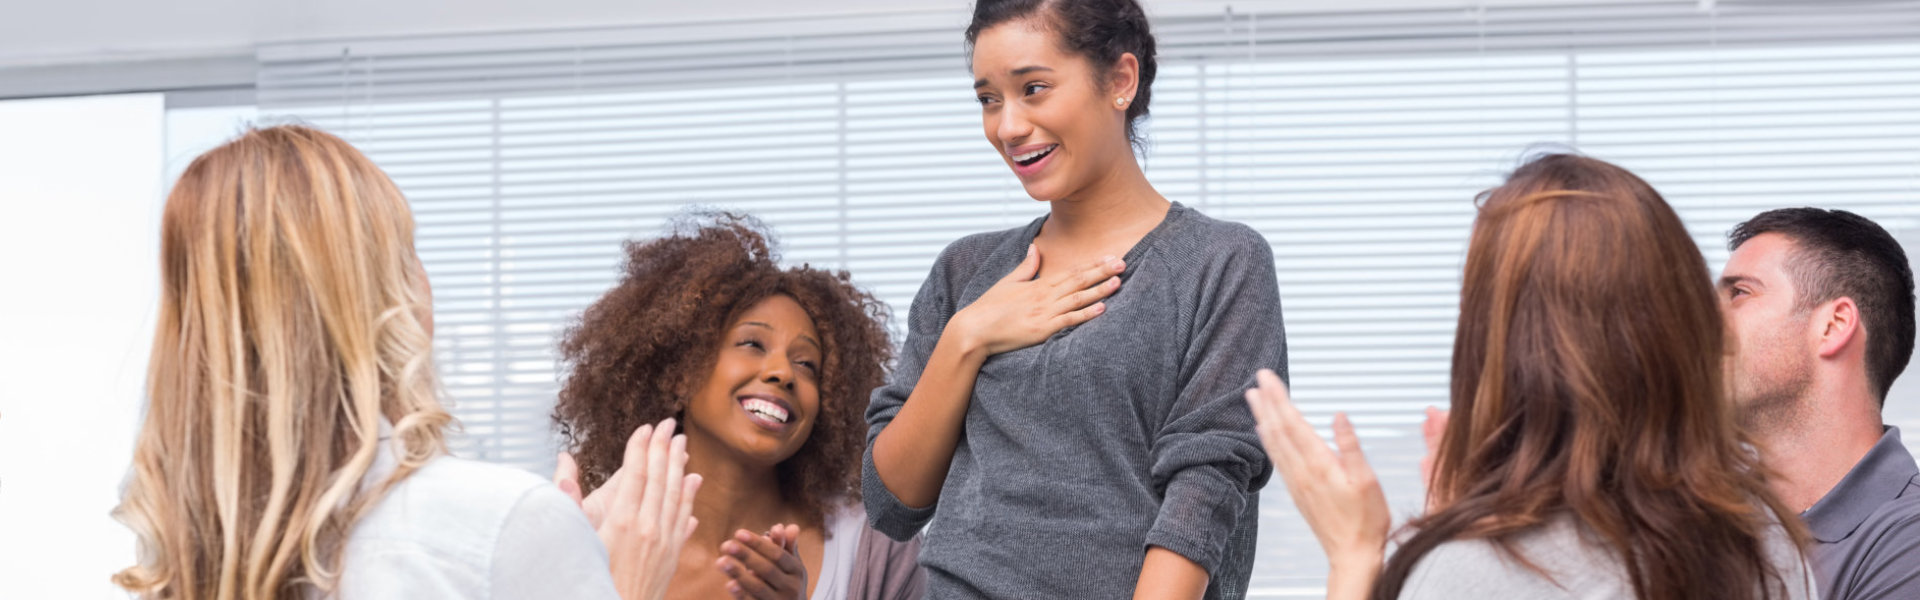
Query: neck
<point x="734" y="495"/>
<point x="1116" y="202"/>
<point x="1811" y="453"/>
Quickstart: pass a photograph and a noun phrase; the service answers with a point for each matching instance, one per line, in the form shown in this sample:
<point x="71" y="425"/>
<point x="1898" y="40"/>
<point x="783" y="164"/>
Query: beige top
<point x="862" y="564"/>
<point x="1583" y="568"/>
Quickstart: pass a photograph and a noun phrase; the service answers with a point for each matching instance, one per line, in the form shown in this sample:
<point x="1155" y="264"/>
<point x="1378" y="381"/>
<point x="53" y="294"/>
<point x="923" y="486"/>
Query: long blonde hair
<point x="293" y="321"/>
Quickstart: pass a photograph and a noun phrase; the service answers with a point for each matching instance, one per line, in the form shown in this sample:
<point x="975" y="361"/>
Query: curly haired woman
<point x="769" y="370"/>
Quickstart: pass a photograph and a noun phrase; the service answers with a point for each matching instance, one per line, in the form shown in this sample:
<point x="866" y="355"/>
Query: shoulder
<point x="1570" y="561"/>
<point x="1462" y="569"/>
<point x="1215" y="245"/>
<point x="454" y="506"/>
<point x="483" y="487"/>
<point x="457" y="528"/>
<point x="1895" y="525"/>
<point x="440" y="533"/>
<point x="1196" y="228"/>
<point x="1445" y="563"/>
<point x="1227" y="266"/>
<point x="1905" y="509"/>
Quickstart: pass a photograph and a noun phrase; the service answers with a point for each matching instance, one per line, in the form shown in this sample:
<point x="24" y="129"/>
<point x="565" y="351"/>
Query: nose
<point x="1013" y="126"/>
<point x="777" y="370"/>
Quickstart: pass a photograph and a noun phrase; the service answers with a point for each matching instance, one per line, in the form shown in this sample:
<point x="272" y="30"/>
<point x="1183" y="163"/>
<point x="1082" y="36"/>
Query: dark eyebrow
<point x="982" y="82"/>
<point x="1731" y="280"/>
<point x="803" y="337"/>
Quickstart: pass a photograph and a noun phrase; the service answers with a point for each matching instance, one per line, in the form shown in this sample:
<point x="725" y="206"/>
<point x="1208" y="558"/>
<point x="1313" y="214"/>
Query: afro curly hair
<point x="635" y="356"/>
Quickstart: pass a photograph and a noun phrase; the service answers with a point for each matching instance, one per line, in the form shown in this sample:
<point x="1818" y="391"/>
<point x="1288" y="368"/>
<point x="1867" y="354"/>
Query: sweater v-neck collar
<point x="1175" y="211"/>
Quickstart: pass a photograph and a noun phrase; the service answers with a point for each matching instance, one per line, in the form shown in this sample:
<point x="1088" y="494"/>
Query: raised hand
<point x="1020" y="311"/>
<point x="765" y="567"/>
<point x="648" y="513"/>
<point x="567" y="477"/>
<point x="1336" y="492"/>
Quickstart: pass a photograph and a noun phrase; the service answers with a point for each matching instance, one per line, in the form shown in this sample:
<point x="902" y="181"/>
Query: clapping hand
<point x="765" y="567"/>
<point x="1335" y="491"/>
<point x="644" y="512"/>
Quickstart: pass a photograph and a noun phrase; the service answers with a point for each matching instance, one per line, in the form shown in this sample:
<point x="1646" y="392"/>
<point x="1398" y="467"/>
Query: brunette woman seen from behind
<point x="1590" y="451"/>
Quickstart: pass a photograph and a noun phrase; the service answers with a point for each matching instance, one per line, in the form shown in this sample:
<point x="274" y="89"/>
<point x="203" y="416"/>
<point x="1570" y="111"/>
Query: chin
<point x="762" y="448"/>
<point x="1042" y="192"/>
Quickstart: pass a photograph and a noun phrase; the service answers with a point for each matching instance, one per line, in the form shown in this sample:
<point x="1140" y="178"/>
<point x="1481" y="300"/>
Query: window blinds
<point x="1354" y="141"/>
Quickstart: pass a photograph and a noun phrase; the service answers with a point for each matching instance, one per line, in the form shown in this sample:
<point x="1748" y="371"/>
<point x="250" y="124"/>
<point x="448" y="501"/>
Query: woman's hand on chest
<point x="1021" y="311"/>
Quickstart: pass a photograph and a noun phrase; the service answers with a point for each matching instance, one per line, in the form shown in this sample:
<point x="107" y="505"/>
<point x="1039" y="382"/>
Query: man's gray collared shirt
<point x="1867" y="529"/>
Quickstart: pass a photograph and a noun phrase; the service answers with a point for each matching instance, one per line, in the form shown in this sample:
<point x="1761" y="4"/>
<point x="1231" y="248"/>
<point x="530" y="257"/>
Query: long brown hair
<point x="293" y="320"/>
<point x="1587" y="382"/>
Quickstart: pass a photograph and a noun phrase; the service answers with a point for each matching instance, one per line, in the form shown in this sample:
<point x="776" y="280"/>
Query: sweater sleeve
<point x="1207" y="457"/>
<point x="927" y="317"/>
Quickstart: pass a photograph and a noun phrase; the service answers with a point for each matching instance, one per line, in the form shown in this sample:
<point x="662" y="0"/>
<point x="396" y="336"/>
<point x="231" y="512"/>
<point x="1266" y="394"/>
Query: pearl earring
<point x="1119" y="101"/>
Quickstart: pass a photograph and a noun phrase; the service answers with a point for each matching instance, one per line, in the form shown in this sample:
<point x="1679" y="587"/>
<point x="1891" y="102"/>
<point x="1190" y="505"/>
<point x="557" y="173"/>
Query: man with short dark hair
<point x="1821" y="305"/>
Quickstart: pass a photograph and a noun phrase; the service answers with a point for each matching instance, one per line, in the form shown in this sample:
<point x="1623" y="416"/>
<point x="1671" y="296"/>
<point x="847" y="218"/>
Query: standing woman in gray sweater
<point x="1068" y="398"/>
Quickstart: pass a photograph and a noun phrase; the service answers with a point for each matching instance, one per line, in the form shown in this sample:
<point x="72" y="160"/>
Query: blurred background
<point x="533" y="138"/>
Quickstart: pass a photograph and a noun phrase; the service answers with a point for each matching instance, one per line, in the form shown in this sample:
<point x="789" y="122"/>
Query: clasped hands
<point x="644" y="515"/>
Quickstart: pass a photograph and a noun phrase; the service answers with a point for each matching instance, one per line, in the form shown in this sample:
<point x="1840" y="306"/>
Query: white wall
<point x="193" y="131"/>
<point x="76" y="319"/>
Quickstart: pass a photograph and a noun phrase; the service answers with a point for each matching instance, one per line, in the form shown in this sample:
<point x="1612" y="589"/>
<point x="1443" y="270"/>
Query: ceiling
<point x="39" y="34"/>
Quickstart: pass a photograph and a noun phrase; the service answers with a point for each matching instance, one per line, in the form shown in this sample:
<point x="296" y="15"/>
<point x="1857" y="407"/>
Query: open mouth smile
<point x="766" y="411"/>
<point x="1029" y="158"/>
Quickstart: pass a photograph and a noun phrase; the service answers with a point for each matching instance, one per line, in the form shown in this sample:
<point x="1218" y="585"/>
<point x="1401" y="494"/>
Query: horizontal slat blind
<point x="1354" y="141"/>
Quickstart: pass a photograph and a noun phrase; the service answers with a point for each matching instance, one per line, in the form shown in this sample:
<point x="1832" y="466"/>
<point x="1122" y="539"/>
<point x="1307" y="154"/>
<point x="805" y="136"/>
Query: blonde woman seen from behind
<point x="293" y="444"/>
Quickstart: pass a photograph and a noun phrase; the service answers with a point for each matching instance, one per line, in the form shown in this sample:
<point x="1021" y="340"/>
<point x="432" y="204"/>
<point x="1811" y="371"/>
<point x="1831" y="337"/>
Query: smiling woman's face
<point x="763" y="395"/>
<point x="1046" y="111"/>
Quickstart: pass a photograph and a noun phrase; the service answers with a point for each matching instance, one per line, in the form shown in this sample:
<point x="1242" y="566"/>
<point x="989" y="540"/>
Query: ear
<point x="1839" y="323"/>
<point x="1123" y="81"/>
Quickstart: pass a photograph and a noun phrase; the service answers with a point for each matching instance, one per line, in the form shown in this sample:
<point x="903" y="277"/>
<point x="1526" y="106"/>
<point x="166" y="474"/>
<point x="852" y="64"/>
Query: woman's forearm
<point x="913" y="452"/>
<point x="1166" y="574"/>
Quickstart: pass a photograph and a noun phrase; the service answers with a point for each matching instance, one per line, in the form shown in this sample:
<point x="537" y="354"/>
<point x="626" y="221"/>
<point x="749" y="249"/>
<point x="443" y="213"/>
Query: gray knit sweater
<point x="1126" y="432"/>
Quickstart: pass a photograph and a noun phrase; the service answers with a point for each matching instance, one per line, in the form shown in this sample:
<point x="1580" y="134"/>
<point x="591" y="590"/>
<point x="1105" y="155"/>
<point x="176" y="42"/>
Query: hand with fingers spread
<point x="648" y="513"/>
<point x="765" y="567"/>
<point x="1336" y="492"/>
<point x="1020" y="311"/>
